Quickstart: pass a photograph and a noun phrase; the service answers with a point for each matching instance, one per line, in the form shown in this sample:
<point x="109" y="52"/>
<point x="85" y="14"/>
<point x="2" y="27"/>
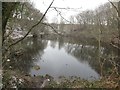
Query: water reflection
<point x="26" y="61"/>
<point x="57" y="62"/>
<point x="61" y="57"/>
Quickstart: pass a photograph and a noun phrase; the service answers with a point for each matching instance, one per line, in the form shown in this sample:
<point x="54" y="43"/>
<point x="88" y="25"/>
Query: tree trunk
<point x="7" y="10"/>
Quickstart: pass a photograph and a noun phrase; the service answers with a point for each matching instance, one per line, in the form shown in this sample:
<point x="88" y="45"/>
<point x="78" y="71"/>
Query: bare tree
<point x="32" y="26"/>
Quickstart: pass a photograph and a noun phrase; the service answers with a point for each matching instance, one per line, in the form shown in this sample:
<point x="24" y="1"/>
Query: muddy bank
<point x="14" y="79"/>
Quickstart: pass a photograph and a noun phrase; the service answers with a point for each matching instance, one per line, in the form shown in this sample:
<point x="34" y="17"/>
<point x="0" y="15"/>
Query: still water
<point x="62" y="57"/>
<point x="57" y="62"/>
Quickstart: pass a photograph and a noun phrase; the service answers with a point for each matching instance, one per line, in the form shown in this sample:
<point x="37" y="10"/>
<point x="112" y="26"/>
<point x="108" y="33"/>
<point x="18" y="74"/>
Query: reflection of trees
<point x="85" y="49"/>
<point x="31" y="48"/>
<point x="81" y="50"/>
<point x="53" y="44"/>
<point x="60" y="42"/>
<point x="57" y="41"/>
<point x="86" y="52"/>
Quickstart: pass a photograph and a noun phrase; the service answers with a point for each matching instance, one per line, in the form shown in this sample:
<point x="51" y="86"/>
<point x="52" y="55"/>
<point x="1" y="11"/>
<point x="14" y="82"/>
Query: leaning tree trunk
<point x="119" y="25"/>
<point x="119" y="35"/>
<point x="7" y="10"/>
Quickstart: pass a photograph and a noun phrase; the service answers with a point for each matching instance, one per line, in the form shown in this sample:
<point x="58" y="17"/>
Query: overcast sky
<point x="52" y="14"/>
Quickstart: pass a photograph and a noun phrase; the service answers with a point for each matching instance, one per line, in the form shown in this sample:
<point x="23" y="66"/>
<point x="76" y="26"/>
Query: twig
<point x="66" y="8"/>
<point x="32" y="27"/>
<point x="114" y="6"/>
<point x="52" y="28"/>
<point x="61" y="15"/>
<point x="115" y="46"/>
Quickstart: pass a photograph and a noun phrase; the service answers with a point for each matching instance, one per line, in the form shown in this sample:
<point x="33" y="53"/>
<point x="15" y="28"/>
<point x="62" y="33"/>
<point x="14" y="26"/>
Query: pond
<point x="58" y="62"/>
<point x="60" y="57"/>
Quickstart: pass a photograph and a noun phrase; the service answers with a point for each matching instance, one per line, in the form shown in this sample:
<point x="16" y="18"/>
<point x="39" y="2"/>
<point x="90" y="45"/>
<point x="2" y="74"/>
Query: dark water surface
<point x="57" y="62"/>
<point x="61" y="57"/>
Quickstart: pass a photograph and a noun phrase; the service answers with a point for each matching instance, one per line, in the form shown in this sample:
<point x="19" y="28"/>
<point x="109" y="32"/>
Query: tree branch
<point x="66" y="8"/>
<point x="61" y="15"/>
<point x="53" y="29"/>
<point x="32" y="27"/>
<point x="114" y="6"/>
<point x="115" y="46"/>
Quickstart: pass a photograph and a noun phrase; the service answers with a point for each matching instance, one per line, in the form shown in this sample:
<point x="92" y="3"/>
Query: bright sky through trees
<point x="82" y="4"/>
